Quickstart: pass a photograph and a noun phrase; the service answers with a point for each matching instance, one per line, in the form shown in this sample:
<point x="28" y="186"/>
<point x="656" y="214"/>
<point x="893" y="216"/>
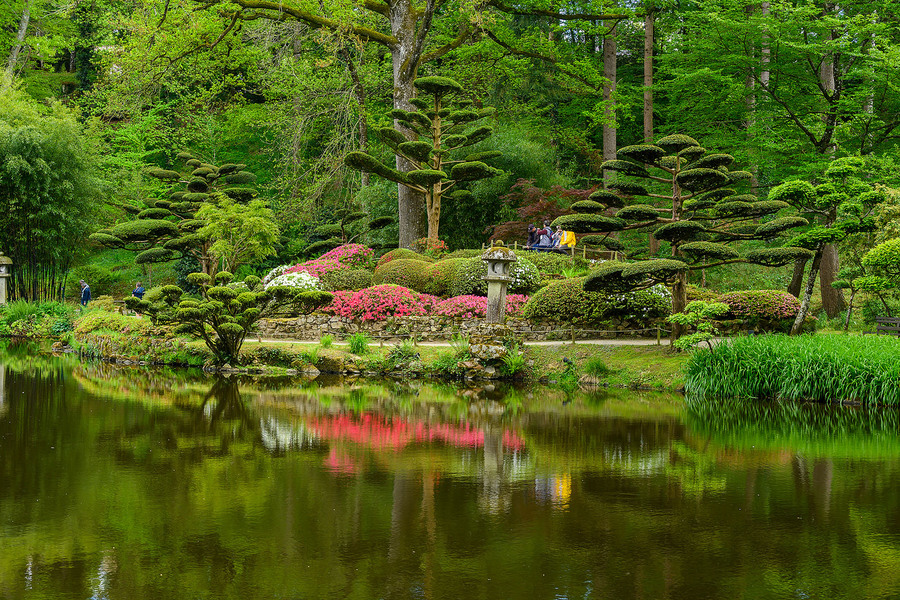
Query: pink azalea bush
<point x="380" y="302"/>
<point x="475" y="307"/>
<point x="348" y="256"/>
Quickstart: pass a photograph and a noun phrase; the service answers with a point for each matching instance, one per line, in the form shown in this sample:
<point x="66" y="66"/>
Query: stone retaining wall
<point x="433" y="328"/>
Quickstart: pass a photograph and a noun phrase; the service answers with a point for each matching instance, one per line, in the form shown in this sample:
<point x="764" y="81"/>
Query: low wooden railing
<point x="574" y="251"/>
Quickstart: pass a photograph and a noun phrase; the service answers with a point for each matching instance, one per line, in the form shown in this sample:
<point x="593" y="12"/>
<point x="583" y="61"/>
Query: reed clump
<point x="819" y="368"/>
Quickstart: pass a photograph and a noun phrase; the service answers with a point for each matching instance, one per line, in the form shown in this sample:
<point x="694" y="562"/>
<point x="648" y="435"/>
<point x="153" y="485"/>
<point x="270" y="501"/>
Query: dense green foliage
<point x="409" y="273"/>
<point x="567" y="301"/>
<point x="468" y="278"/>
<point x="823" y="368"/>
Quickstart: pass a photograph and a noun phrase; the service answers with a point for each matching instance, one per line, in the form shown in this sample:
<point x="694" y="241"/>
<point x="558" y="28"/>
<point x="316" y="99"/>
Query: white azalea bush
<point x="468" y="278"/>
<point x="300" y="280"/>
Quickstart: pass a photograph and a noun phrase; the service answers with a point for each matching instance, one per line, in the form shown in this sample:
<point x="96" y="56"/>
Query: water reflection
<point x="139" y="483"/>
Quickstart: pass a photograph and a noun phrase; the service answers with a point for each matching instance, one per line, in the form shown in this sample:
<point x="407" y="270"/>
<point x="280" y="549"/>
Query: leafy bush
<point x="596" y="366"/>
<point x="406" y="272"/>
<point x="548" y="263"/>
<point x="347" y="279"/>
<point x="513" y="362"/>
<point x="359" y="343"/>
<point x="100" y="279"/>
<point x="380" y="302"/>
<point x="567" y="301"/>
<point x="439" y="275"/>
<point x="698" y="293"/>
<point x="100" y="320"/>
<point x="463" y="254"/>
<point x="402" y="254"/>
<point x="761" y="305"/>
<point x="475" y="307"/>
<point x="18" y="310"/>
<point x="469" y="278"/>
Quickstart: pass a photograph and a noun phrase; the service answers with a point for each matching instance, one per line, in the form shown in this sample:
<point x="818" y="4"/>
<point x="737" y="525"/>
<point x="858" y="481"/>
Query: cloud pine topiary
<point x="687" y="197"/>
<point x="443" y="132"/>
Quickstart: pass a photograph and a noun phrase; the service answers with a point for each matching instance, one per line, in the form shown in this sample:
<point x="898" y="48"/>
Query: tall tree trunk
<point x="411" y="204"/>
<point x="832" y="298"/>
<point x="609" y="91"/>
<point x="648" y="77"/>
<point x="20" y="38"/>
<point x="797" y="277"/>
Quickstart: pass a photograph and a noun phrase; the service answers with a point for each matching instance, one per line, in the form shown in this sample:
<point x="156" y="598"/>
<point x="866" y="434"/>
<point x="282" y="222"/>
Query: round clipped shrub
<point x="402" y="254"/>
<point x="347" y="279"/>
<point x="466" y="253"/>
<point x="771" y="309"/>
<point x="406" y="272"/>
<point x="567" y="301"/>
<point x="379" y="302"/>
<point x="475" y="307"/>
<point x="548" y="263"/>
<point x="469" y="278"/>
<point x="698" y="293"/>
<point x="439" y="275"/>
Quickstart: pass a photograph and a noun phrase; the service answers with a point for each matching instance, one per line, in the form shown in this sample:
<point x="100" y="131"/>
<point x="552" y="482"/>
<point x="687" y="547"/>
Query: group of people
<point x="546" y="239"/>
<point x="137" y="292"/>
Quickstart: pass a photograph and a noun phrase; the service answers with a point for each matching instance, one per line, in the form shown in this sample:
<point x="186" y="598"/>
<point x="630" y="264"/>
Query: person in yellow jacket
<point x="565" y="240"/>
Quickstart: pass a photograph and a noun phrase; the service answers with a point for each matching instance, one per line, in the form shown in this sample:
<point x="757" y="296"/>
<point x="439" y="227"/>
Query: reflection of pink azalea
<point x="375" y="432"/>
<point x="341" y="462"/>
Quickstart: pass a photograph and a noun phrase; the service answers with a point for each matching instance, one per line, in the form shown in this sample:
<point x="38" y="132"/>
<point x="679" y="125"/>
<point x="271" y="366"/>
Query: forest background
<point x="289" y="89"/>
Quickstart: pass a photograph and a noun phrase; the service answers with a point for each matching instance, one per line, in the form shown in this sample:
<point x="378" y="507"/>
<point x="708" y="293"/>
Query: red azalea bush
<point x="761" y="305"/>
<point x="475" y="307"/>
<point x="380" y="302"/>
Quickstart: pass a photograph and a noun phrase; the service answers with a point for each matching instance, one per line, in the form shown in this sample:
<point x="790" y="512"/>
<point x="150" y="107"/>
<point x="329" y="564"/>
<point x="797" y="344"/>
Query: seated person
<point x="532" y="242"/>
<point x="567" y="239"/>
<point x="545" y="240"/>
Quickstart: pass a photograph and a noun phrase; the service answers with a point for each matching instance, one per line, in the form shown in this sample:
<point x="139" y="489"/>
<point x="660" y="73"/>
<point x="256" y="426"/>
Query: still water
<point x="151" y="484"/>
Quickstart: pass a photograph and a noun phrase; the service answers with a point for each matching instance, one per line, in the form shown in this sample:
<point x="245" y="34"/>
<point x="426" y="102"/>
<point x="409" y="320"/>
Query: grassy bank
<point x="829" y="368"/>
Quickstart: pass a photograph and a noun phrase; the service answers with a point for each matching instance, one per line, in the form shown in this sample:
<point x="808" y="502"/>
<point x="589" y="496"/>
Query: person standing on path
<point x="138" y="291"/>
<point x="85" y="292"/>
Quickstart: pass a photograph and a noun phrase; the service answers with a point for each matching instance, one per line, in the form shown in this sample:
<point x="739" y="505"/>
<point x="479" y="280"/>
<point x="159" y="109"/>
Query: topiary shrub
<point x="380" y="302"/>
<point x="567" y="301"/>
<point x="402" y="254"/>
<point x="695" y="292"/>
<point x="347" y="279"/>
<point x="469" y="278"/>
<point x="465" y="253"/>
<point x="548" y="263"/>
<point x="406" y="272"/>
<point x="439" y="275"/>
<point x="768" y="310"/>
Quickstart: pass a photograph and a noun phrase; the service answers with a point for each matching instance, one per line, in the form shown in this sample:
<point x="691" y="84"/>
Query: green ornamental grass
<point x="821" y="368"/>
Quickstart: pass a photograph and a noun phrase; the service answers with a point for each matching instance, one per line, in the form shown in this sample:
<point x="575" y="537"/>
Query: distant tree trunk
<point x="797" y="278"/>
<point x="797" y="327"/>
<point x="832" y="298"/>
<point x="20" y="38"/>
<point x="609" y="90"/>
<point x="648" y="77"/>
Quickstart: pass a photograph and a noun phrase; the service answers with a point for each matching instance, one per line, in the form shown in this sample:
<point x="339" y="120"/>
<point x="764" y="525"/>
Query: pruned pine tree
<point x="840" y="206"/>
<point x="348" y="227"/>
<point x="441" y="126"/>
<point x="687" y="197"/>
<point x="169" y="228"/>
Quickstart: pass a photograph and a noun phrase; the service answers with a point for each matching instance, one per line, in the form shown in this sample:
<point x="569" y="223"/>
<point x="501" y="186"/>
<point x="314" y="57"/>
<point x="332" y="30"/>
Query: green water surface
<point x="153" y="484"/>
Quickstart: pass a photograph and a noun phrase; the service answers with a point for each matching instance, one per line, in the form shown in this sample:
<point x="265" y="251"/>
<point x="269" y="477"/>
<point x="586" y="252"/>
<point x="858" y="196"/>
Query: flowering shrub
<point x="405" y="272"/>
<point x="469" y="278"/>
<point x="316" y="268"/>
<point x="350" y="255"/>
<point x="567" y="301"/>
<point x="301" y="280"/>
<point x="761" y="305"/>
<point x="274" y="273"/>
<point x="475" y="307"/>
<point x="429" y="247"/>
<point x="380" y="302"/>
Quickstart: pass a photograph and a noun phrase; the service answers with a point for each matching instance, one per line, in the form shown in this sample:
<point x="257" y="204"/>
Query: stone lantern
<point x="5" y="270"/>
<point x="498" y="259"/>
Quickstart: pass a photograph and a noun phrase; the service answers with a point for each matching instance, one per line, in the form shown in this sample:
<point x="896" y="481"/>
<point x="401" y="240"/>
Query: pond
<point x="154" y="484"/>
